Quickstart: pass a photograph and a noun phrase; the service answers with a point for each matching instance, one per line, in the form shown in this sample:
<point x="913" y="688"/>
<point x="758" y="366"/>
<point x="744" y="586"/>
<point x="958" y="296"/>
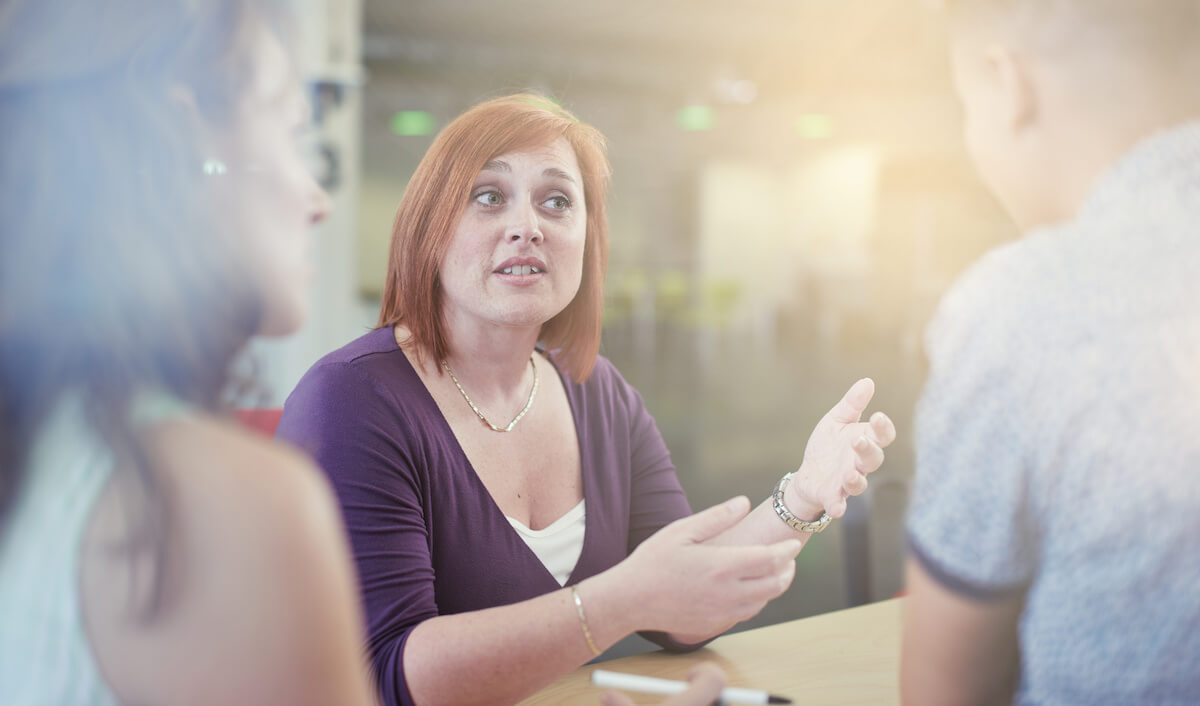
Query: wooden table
<point x="849" y="657"/>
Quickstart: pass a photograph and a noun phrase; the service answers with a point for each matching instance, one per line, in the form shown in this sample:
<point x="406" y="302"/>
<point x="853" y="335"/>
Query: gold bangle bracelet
<point x="587" y="634"/>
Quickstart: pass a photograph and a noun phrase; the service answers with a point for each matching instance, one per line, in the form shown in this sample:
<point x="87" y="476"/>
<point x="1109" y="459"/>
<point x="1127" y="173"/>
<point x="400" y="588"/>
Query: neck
<point x="1090" y="156"/>
<point x="1095" y="132"/>
<point x="492" y="362"/>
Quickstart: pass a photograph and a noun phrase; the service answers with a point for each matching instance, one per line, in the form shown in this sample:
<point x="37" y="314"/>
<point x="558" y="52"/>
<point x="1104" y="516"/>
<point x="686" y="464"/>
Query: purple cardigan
<point x="427" y="537"/>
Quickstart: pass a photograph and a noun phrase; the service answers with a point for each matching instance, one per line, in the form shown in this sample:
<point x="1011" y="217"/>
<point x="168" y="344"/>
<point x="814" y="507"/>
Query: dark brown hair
<point x="115" y="277"/>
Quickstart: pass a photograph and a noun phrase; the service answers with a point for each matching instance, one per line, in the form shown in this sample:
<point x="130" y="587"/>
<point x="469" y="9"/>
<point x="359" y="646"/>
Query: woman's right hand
<point x="678" y="584"/>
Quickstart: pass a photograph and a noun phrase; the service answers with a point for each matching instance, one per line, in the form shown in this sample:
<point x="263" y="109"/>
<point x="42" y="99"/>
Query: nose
<point x="320" y="204"/>
<point x="524" y="225"/>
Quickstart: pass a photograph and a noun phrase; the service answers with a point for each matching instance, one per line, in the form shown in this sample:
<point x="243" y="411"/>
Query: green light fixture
<point x="814" y="126"/>
<point x="694" y="118"/>
<point x="413" y="123"/>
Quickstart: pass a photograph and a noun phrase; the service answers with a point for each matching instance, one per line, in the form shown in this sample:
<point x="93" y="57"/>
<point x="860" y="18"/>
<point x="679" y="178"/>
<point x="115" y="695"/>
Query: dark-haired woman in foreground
<point x="156" y="210"/>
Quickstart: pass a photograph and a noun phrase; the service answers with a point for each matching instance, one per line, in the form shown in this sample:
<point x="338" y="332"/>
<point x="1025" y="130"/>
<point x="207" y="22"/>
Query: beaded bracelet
<point x="587" y="634"/>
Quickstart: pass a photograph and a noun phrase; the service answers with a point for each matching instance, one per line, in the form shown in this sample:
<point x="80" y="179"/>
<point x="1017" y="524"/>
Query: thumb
<point x="849" y="409"/>
<point x="613" y="698"/>
<point x="705" y="683"/>
<point x="706" y="524"/>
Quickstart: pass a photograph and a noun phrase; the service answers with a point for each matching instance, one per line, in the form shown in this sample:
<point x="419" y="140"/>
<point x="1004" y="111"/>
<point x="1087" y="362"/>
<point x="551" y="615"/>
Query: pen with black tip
<point x="654" y="685"/>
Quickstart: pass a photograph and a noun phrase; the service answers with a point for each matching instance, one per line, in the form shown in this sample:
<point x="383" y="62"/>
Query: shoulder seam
<point x="957" y="584"/>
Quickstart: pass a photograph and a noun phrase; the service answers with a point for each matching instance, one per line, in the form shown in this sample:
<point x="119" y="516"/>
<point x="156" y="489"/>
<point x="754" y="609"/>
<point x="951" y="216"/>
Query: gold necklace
<point x="513" y="423"/>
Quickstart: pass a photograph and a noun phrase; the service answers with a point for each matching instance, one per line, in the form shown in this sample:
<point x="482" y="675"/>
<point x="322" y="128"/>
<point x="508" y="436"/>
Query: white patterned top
<point x="1058" y="438"/>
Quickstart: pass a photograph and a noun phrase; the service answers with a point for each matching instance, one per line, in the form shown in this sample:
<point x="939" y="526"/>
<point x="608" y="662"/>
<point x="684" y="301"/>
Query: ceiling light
<point x="814" y="126"/>
<point x="693" y="118"/>
<point x="413" y="123"/>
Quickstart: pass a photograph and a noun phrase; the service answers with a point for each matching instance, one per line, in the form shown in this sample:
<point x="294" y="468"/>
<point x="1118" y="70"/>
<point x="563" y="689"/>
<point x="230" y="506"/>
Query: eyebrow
<point x="558" y="173"/>
<point x="499" y="165"/>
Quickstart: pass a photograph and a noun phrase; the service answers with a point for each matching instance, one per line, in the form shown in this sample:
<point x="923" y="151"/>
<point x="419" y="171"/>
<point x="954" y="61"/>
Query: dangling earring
<point x="214" y="167"/>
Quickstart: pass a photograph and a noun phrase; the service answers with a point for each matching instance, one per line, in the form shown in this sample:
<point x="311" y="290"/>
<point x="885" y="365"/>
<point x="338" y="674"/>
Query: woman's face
<point x="516" y="259"/>
<point x="269" y="189"/>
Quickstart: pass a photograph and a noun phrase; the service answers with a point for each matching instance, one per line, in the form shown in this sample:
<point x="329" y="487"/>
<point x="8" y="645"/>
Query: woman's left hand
<point x="840" y="453"/>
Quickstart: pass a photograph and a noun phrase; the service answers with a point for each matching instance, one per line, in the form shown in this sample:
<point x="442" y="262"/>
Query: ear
<point x="183" y="99"/>
<point x="1017" y="97"/>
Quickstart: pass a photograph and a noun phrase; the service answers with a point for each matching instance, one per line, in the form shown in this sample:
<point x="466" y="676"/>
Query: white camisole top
<point x="559" y="544"/>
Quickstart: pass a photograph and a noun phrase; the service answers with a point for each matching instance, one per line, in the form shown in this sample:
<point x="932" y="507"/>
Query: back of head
<point x="1055" y="92"/>
<point x="1146" y="33"/>
<point x="113" y="274"/>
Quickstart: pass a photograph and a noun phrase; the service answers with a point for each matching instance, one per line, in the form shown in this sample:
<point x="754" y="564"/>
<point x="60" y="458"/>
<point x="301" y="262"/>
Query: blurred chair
<point x="262" y="420"/>
<point x="873" y="542"/>
<point x="856" y="550"/>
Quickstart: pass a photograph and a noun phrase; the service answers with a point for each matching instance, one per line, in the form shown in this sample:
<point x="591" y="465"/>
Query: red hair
<point x="437" y="195"/>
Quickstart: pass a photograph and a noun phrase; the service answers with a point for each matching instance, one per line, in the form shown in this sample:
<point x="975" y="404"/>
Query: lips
<point x="521" y="266"/>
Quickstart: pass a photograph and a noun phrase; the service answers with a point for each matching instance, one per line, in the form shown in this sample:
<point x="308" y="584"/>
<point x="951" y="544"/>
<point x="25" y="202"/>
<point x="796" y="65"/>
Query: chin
<point x="527" y="313"/>
<point x="524" y="318"/>
<point x="282" y="320"/>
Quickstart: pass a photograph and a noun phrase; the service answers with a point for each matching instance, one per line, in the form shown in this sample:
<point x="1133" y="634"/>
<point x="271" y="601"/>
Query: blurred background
<point x="790" y="199"/>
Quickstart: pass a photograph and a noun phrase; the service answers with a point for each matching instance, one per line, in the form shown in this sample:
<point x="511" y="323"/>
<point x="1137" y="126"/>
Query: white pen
<point x="654" y="685"/>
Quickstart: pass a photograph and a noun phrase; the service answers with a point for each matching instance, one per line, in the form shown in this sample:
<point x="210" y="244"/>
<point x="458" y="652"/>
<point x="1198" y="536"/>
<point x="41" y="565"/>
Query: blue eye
<point x="558" y="203"/>
<point x="489" y="198"/>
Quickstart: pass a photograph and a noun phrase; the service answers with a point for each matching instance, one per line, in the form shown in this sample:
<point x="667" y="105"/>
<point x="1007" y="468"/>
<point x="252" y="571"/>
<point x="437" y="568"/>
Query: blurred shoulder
<point x="1005" y="301"/>
<point x="271" y="499"/>
<point x="254" y="547"/>
<point x="201" y="450"/>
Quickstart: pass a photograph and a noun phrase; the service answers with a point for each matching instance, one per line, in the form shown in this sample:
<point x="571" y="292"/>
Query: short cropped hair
<point x="437" y="196"/>
<point x="1160" y="31"/>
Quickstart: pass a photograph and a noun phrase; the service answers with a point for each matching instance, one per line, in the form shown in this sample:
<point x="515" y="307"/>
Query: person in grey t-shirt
<point x="1055" y="524"/>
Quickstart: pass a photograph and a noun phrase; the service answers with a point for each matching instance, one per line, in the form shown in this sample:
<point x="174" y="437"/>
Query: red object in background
<point x="263" y="421"/>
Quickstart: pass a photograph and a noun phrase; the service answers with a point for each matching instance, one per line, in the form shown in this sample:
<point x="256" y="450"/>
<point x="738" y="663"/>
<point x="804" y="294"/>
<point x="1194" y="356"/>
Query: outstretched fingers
<point x="855" y="485"/>
<point x="752" y="562"/>
<point x="708" y="523"/>
<point x="773" y="583"/>
<point x="868" y="456"/>
<point x="836" y="507"/>
<point x="850" y="408"/>
<point x="881" y="429"/>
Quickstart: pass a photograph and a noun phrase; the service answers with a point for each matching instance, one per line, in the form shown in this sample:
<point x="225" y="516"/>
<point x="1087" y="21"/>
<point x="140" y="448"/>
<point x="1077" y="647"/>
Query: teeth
<point x="521" y="270"/>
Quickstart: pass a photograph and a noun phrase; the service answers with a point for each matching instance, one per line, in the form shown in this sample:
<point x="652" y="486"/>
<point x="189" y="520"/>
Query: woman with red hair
<point x="512" y="508"/>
